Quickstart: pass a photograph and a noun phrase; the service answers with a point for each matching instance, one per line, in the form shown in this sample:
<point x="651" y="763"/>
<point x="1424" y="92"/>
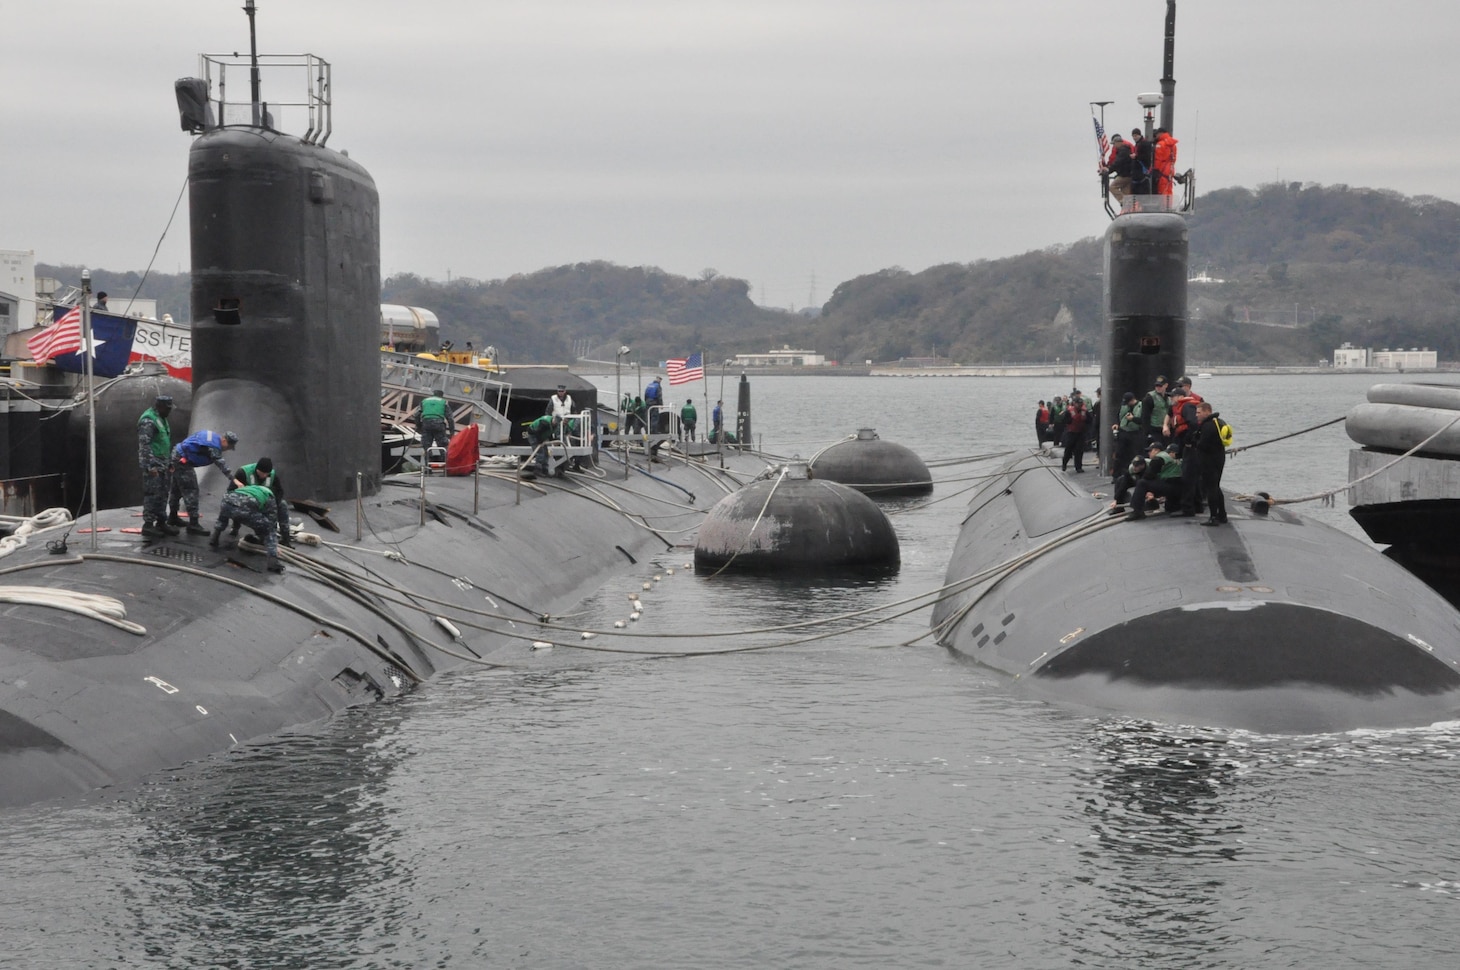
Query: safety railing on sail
<point x="303" y="79"/>
<point x="1153" y="202"/>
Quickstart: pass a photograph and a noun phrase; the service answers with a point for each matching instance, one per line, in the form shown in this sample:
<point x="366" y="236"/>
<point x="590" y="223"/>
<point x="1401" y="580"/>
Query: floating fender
<point x="791" y="523"/>
<point x="1399" y="427"/>
<point x="873" y="466"/>
<point x="1443" y="396"/>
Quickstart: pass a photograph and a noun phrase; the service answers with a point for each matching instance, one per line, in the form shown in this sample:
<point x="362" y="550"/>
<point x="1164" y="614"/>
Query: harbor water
<point x="843" y="794"/>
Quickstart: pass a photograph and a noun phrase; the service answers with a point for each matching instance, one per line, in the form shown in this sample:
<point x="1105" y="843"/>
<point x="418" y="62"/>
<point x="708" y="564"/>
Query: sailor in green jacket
<point x="432" y="422"/>
<point x="254" y="506"/>
<point x="154" y="446"/>
<point x="539" y="432"/>
<point x="263" y="472"/>
<point x="687" y="420"/>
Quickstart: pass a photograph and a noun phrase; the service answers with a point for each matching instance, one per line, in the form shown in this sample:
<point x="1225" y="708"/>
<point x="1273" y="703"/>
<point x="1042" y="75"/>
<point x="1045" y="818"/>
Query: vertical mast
<point x="253" y="53"/>
<point x="1168" y="82"/>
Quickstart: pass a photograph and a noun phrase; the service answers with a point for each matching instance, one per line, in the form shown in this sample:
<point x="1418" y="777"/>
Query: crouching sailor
<point x="539" y="432"/>
<point x="253" y="506"/>
<point x="262" y="472"/>
<point x="198" y="450"/>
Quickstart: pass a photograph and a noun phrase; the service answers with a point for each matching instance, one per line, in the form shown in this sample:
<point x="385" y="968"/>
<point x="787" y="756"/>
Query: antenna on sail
<point x="253" y="73"/>
<point x="1168" y="82"/>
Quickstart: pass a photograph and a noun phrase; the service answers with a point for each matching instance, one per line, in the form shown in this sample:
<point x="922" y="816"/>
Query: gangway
<point x="473" y="396"/>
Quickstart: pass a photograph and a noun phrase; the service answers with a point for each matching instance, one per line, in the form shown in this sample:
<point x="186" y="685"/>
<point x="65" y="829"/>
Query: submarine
<point x="1271" y="622"/>
<point x="122" y="655"/>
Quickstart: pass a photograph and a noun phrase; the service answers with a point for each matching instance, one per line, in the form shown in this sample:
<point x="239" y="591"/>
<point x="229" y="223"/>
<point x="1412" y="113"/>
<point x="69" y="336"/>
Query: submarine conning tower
<point x="285" y="279"/>
<point x="1145" y="269"/>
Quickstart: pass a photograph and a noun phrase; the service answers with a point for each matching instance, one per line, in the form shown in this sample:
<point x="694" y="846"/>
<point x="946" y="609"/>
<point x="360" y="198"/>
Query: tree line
<point x="1301" y="269"/>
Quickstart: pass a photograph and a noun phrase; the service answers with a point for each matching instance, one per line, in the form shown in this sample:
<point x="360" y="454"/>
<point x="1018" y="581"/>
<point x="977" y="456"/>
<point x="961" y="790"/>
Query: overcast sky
<point x="792" y="143"/>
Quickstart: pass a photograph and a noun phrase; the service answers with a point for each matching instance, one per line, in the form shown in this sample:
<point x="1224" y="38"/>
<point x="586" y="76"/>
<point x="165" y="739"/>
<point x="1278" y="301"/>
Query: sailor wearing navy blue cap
<point x="198" y="450"/>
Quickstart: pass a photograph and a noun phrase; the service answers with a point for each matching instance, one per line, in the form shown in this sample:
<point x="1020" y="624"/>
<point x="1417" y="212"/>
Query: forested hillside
<point x="1295" y="270"/>
<point x="1285" y="273"/>
<point x="591" y="309"/>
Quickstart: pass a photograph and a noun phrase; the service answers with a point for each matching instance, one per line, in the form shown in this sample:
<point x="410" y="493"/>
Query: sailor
<point x="1181" y="423"/>
<point x="1075" y="420"/>
<point x="1119" y="163"/>
<point x="100" y="303"/>
<point x="154" y="442"/>
<point x="253" y="506"/>
<point x="560" y="405"/>
<point x="717" y="420"/>
<point x="431" y="422"/>
<point x="539" y="432"/>
<point x="1125" y="482"/>
<point x="1163" y="162"/>
<point x="1127" y="432"/>
<point x="688" y="418"/>
<point x="262" y="472"/>
<point x="1161" y="478"/>
<point x="1154" y="408"/>
<point x="198" y="450"/>
<point x="1209" y="445"/>
<point x="1143" y="151"/>
<point x="654" y="398"/>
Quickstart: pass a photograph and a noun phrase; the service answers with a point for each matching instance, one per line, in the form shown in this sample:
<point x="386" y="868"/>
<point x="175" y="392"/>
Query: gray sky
<point x="793" y="143"/>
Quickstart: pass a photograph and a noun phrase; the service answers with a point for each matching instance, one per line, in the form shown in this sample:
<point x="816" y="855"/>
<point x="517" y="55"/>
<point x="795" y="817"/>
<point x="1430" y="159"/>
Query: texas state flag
<point x="111" y="340"/>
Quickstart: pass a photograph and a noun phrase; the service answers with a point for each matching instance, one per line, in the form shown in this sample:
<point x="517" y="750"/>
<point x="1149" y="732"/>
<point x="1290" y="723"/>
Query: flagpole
<point x="88" y="348"/>
<point x="720" y="439"/>
<point x="705" y="380"/>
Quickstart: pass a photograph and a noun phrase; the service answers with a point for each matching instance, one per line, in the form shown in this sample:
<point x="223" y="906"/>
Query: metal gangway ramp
<point x="473" y="396"/>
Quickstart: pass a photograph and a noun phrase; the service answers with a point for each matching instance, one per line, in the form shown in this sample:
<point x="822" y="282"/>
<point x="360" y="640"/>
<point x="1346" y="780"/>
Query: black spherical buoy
<point x="792" y="522"/>
<point x="873" y="466"/>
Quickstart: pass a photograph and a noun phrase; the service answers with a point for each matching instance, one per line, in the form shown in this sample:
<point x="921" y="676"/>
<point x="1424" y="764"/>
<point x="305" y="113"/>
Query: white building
<point x="1412" y="359"/>
<point x="1349" y="357"/>
<point x="17" y="290"/>
<point x="785" y="357"/>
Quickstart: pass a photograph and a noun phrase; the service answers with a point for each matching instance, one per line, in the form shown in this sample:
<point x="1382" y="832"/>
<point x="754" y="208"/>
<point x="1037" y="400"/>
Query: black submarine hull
<point x="229" y="653"/>
<point x="1270" y="623"/>
<point x="121" y="656"/>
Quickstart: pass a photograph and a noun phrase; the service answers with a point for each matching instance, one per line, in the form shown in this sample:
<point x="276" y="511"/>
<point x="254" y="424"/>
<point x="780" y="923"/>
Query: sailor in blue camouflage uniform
<point x="154" y="444"/>
<point x="254" y="506"/>
<point x="198" y="450"/>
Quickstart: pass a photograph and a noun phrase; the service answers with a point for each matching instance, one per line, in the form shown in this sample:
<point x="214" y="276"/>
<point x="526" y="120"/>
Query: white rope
<point x="107" y="609"/>
<point x="29" y="526"/>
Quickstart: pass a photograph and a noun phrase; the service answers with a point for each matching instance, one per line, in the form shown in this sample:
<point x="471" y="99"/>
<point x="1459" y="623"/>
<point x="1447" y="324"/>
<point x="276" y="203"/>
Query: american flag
<point x="682" y="370"/>
<point x="61" y="337"/>
<point x="1102" y="144"/>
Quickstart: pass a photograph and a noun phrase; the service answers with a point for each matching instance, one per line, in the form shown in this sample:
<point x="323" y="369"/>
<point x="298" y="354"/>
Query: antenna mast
<point x="1168" y="82"/>
<point x="253" y="53"/>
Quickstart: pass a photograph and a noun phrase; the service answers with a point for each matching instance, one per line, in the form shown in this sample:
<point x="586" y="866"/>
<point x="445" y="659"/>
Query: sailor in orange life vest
<point x="1183" y="429"/>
